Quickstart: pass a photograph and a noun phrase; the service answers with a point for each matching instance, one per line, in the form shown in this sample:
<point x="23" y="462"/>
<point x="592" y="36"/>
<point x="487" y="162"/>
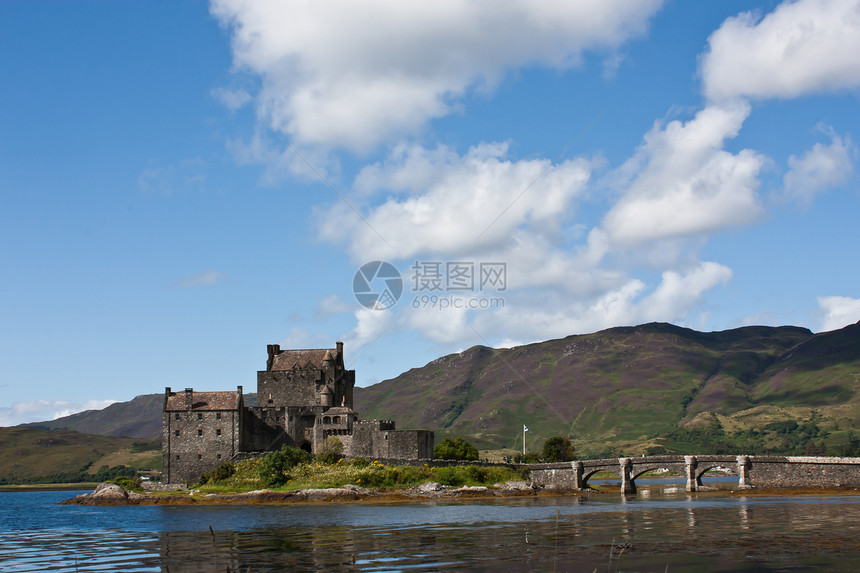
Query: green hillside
<point x="638" y="389"/>
<point x="29" y="455"/>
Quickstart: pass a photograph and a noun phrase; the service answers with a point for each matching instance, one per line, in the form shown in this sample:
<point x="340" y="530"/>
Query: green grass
<point x="373" y="475"/>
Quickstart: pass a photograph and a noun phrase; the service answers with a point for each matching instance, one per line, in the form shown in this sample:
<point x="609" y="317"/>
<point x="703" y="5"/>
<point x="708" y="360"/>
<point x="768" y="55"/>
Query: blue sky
<point x="184" y="183"/>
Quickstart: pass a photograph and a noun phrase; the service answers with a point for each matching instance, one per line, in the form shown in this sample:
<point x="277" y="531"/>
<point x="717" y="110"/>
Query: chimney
<point x="273" y="350"/>
<point x="340" y="348"/>
<point x="189" y="398"/>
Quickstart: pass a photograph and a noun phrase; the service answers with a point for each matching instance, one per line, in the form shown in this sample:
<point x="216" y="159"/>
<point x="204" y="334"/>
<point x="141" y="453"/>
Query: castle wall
<point x="379" y="439"/>
<point x="194" y="442"/>
<point x="288" y="387"/>
<point x="264" y="429"/>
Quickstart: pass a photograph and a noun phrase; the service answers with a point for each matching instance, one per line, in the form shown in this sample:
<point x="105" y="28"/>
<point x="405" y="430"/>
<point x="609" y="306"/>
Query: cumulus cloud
<point x="802" y="47"/>
<point x="43" y="410"/>
<point x="204" y="279"/>
<point x="838" y="311"/>
<point x="820" y="168"/>
<point x="442" y="202"/>
<point x="355" y="74"/>
<point x="681" y="182"/>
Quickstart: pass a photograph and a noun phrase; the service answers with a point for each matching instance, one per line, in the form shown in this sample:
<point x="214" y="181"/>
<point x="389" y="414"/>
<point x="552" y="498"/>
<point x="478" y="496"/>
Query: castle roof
<point x="311" y="358"/>
<point x="204" y="401"/>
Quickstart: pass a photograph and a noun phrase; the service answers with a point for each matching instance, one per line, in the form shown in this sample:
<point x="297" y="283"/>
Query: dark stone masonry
<point x="303" y="397"/>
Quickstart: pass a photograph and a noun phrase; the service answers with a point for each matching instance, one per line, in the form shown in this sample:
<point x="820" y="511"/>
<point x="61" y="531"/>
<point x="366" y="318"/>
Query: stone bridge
<point x="752" y="471"/>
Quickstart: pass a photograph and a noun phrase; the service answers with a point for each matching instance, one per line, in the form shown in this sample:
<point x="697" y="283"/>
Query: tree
<point x="456" y="449"/>
<point x="274" y="466"/>
<point x="330" y="450"/>
<point x="558" y="449"/>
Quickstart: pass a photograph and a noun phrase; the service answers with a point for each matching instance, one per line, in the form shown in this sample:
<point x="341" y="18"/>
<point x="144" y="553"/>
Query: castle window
<point x="336" y="420"/>
<point x="199" y="416"/>
<point x="218" y="456"/>
<point x="176" y="416"/>
<point x="199" y="456"/>
<point x="199" y="433"/>
<point x="326" y="420"/>
<point x="217" y="415"/>
<point x="177" y="457"/>
<point x="176" y="433"/>
<point x="218" y="432"/>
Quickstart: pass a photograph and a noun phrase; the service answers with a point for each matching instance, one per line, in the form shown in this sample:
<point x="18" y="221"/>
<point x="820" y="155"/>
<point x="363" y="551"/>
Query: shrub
<point x="274" y="467"/>
<point x="558" y="449"/>
<point x="221" y="473"/>
<point x="330" y="450"/>
<point x="456" y="449"/>
<point x="127" y="483"/>
<point x="529" y="458"/>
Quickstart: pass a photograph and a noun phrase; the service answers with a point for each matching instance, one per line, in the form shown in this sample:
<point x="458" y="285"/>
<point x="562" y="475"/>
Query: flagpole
<point x="524" y="439"/>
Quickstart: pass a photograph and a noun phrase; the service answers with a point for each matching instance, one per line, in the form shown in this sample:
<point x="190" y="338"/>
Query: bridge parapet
<point x="752" y="471"/>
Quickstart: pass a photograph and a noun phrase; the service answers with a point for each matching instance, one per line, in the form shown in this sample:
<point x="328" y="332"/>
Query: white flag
<point x="525" y="429"/>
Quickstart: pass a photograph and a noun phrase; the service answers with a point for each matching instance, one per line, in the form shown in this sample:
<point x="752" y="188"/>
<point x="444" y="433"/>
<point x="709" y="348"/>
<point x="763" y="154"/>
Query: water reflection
<point x="642" y="532"/>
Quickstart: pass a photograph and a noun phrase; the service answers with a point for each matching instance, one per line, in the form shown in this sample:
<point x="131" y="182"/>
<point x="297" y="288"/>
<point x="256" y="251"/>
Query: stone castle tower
<point x="303" y="398"/>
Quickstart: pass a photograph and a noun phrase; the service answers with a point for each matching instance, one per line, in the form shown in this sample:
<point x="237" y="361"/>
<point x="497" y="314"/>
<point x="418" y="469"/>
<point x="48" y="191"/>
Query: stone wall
<point x="379" y="439"/>
<point x="194" y="442"/>
<point x="288" y="387"/>
<point x="801" y="472"/>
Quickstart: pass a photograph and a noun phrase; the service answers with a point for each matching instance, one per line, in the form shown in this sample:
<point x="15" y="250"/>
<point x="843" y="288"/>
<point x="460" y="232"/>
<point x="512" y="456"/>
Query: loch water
<point x="661" y="528"/>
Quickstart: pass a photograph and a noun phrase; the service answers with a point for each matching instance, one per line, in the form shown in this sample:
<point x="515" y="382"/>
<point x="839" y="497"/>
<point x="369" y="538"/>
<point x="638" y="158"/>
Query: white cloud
<point x="838" y="311"/>
<point x="204" y="279"/>
<point x="44" y="410"/>
<point x="528" y="315"/>
<point x="820" y="168"/>
<point x="331" y="306"/>
<point x="444" y="203"/>
<point x="356" y="74"/>
<point x="802" y="47"/>
<point x="299" y="337"/>
<point x="233" y="99"/>
<point x="681" y="182"/>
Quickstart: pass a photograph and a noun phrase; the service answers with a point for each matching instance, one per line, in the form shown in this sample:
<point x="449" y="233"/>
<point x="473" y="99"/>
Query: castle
<point x="303" y="397"/>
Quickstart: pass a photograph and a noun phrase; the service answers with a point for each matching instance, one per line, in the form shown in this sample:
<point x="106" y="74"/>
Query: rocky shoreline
<point x="112" y="494"/>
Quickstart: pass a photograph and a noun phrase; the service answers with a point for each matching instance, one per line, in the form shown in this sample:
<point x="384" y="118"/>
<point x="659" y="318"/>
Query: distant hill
<point x="628" y="390"/>
<point x="137" y="418"/>
<point x="33" y="454"/>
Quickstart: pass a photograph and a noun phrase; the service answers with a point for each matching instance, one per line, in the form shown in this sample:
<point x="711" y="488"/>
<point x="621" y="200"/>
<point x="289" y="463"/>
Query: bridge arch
<point x="586" y="475"/>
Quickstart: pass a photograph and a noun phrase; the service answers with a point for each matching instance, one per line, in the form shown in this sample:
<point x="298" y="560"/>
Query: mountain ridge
<point x="620" y="389"/>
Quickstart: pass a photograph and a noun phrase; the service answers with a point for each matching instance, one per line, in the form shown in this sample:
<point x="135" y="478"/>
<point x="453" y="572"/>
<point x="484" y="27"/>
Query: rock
<point x="109" y="491"/>
<point x="429" y="487"/>
<point x="471" y="489"/>
<point x="351" y="492"/>
<point x="518" y="486"/>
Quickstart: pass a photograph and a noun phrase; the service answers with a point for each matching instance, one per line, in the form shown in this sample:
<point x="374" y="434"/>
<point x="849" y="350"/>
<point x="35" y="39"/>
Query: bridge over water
<point x="752" y="471"/>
